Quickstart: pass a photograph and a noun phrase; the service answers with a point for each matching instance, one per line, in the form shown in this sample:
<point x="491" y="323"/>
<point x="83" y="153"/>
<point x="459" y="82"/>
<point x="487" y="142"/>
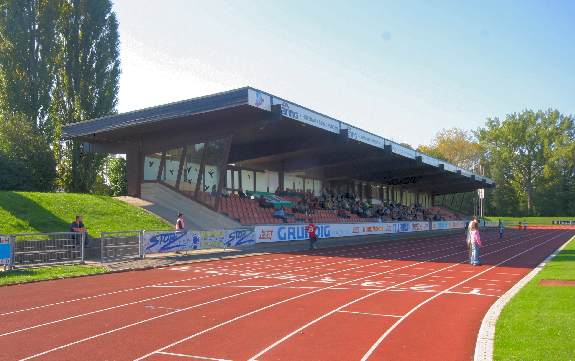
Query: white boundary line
<point x="307" y="277"/>
<point x="389" y="330"/>
<point x="192" y="356"/>
<point x="330" y="287"/>
<point x="338" y="309"/>
<point x="246" y="292"/>
<point x="304" y="259"/>
<point x="486" y="334"/>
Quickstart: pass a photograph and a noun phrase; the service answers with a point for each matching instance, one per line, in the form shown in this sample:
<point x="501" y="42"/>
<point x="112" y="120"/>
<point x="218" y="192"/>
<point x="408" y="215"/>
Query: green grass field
<point x="530" y="220"/>
<point x="539" y="322"/>
<point x="54" y="212"/>
<point x="47" y="273"/>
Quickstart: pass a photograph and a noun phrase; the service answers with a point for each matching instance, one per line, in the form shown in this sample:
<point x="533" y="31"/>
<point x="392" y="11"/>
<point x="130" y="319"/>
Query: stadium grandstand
<point x="256" y="158"/>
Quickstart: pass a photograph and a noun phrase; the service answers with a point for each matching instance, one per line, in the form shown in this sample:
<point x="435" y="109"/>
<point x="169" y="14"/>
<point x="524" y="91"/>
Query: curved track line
<point x="256" y="290"/>
<point x="338" y="309"/>
<point x="305" y="294"/>
<point x="398" y="322"/>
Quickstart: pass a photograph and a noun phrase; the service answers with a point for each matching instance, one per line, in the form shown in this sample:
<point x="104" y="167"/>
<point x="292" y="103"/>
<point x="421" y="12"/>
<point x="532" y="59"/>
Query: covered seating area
<point x="223" y="149"/>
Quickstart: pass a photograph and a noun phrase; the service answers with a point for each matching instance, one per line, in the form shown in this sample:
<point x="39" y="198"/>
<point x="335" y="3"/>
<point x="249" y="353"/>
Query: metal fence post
<point x="141" y="242"/>
<point x="101" y="247"/>
<point x="12" y="240"/>
<point x="83" y="240"/>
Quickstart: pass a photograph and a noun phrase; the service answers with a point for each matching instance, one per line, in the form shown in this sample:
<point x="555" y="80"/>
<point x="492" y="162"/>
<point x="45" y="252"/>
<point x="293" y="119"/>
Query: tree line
<point x="530" y="155"/>
<point x="59" y="64"/>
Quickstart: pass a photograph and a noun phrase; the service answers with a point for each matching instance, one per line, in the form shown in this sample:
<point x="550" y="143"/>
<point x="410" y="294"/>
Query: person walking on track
<point x="311" y="231"/>
<point x="500" y="229"/>
<point x="474" y="242"/>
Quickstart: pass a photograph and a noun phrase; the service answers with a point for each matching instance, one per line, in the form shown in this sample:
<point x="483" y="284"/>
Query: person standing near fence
<point x="180" y="225"/>
<point x="78" y="227"/>
<point x="474" y="242"/>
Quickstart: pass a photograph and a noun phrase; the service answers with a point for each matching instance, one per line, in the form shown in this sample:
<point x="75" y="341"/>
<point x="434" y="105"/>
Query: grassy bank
<point x="54" y="212"/>
<point x="530" y="220"/>
<point x="47" y="273"/>
<point x="539" y="322"/>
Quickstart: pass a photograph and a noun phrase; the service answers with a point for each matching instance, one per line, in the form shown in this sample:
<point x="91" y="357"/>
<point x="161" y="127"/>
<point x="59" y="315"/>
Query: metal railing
<point x="121" y="245"/>
<point x="29" y="249"/>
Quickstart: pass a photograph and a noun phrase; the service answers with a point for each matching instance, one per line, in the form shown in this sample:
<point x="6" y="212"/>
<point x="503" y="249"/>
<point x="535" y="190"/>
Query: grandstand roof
<point x="272" y="133"/>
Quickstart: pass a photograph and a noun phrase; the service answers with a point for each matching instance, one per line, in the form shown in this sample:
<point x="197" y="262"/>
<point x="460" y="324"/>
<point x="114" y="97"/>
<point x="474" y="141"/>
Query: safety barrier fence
<point x="47" y="248"/>
<point x="30" y="249"/>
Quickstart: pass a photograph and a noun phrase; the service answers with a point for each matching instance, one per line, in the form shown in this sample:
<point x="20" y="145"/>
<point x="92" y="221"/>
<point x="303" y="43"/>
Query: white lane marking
<point x="161" y="308"/>
<point x="254" y="358"/>
<point x="235" y="295"/>
<point x="368" y="313"/>
<point x="434" y="247"/>
<point x="275" y="304"/>
<point x="418" y="306"/>
<point x="178" y="293"/>
<point x="192" y="356"/>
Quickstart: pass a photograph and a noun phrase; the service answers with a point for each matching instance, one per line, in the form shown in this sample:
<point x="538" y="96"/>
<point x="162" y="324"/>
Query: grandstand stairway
<point x="166" y="203"/>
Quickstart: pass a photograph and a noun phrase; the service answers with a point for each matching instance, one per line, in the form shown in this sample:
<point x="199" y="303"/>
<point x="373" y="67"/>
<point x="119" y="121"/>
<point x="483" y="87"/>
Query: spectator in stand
<point x="281" y="214"/>
<point x="242" y="194"/>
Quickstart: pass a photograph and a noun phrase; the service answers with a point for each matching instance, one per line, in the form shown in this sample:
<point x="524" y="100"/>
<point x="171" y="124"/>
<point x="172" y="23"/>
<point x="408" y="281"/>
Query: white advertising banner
<point x="365" y="137"/>
<point x="307" y="116"/>
<point x="161" y="242"/>
<point x="259" y="100"/>
<point x="448" y="225"/>
<point x="171" y="241"/>
<point x="279" y="233"/>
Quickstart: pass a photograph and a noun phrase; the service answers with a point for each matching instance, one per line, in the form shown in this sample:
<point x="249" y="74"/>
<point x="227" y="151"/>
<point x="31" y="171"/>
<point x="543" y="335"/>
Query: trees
<point x="28" y="49"/>
<point x="117" y="176"/>
<point x="456" y="146"/>
<point x="87" y="82"/>
<point x="59" y="64"/>
<point x="26" y="161"/>
<point x="530" y="157"/>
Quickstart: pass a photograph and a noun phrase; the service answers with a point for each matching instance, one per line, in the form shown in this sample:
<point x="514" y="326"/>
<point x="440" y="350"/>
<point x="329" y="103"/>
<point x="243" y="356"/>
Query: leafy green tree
<point x="26" y="160"/>
<point x="530" y="157"/>
<point x="117" y="172"/>
<point x="456" y="146"/>
<point x="28" y="49"/>
<point x="87" y="83"/>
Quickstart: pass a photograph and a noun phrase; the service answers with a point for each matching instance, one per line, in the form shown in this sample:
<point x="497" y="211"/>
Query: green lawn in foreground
<point x="539" y="322"/>
<point x="54" y="212"/>
<point x="47" y="273"/>
<point x="530" y="220"/>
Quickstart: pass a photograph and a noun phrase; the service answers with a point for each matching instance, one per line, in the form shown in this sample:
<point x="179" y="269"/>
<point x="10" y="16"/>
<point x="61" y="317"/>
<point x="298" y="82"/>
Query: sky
<point x="401" y="69"/>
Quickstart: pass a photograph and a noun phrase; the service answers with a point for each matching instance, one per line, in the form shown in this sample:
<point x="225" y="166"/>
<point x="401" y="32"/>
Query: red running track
<point x="395" y="300"/>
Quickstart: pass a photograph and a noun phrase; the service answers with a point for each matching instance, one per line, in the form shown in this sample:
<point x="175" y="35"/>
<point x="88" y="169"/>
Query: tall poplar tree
<point x="28" y="49"/>
<point x="87" y="82"/>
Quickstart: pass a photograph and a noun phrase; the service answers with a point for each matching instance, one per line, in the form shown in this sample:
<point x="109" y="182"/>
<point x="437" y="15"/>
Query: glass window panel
<point x="214" y="156"/>
<point x="236" y="179"/>
<point x="191" y="169"/>
<point x="247" y="180"/>
<point x="152" y="166"/>
<point x="317" y="187"/>
<point x="309" y="185"/>
<point x="273" y="181"/>
<point x="261" y="182"/>
<point x="170" y="173"/>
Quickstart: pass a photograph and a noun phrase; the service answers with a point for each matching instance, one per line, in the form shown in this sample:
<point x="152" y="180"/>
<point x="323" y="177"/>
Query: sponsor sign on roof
<point x="365" y="137"/>
<point x="307" y="116"/>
